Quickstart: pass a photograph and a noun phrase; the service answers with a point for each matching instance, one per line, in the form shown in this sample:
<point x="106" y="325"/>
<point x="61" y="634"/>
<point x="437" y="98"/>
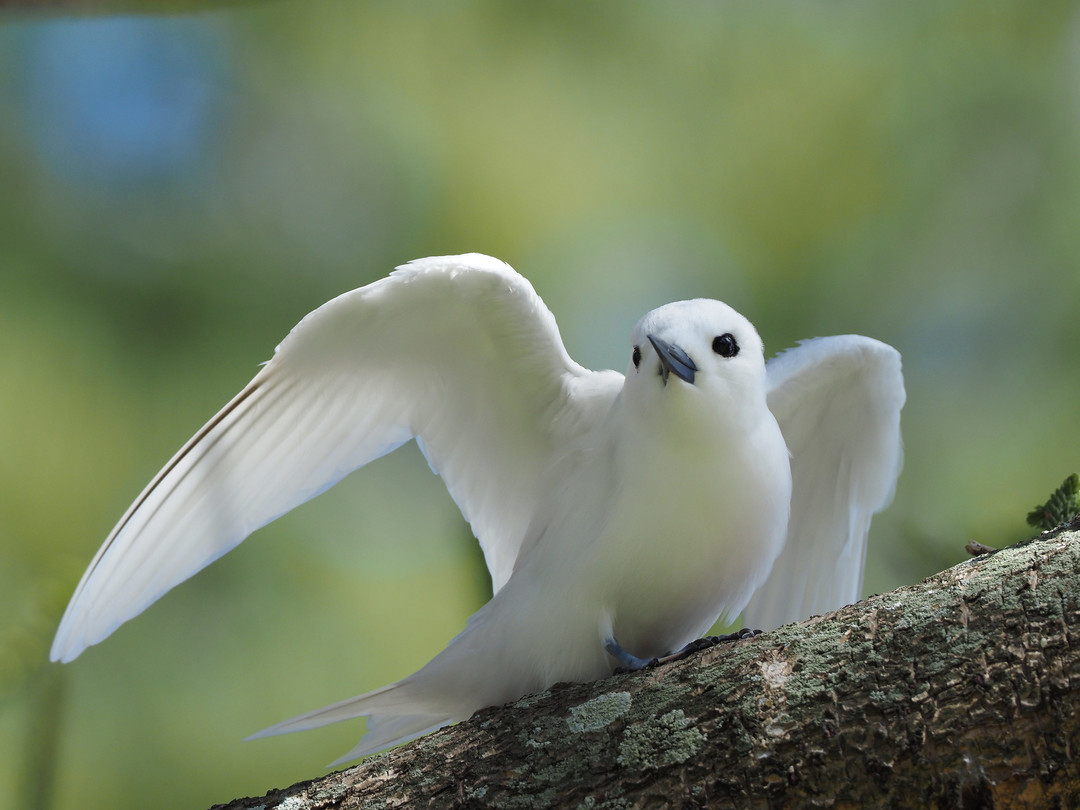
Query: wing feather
<point x="838" y="402"/>
<point x="458" y="351"/>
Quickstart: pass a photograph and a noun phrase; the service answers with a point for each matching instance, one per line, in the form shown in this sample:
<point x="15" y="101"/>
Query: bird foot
<point x="705" y="643"/>
<point x="628" y="662"/>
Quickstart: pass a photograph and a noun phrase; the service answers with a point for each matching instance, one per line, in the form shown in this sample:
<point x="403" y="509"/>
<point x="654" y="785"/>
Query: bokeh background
<point x="176" y="192"/>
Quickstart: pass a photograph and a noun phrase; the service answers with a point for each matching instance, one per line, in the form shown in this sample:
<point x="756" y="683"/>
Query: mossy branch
<point x="961" y="691"/>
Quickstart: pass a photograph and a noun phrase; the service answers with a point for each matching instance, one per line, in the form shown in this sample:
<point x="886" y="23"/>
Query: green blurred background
<point x="177" y="192"/>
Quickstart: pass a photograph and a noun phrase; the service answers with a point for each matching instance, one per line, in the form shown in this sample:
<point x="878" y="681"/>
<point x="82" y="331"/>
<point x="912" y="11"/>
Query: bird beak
<point x="673" y="360"/>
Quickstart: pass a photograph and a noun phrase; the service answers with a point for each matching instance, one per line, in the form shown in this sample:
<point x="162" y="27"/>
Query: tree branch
<point x="956" y="692"/>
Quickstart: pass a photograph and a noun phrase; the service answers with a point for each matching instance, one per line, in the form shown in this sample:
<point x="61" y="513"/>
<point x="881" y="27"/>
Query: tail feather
<point x="354" y="707"/>
<point x="386" y="731"/>
<point x="392" y="719"/>
<point x="482" y="666"/>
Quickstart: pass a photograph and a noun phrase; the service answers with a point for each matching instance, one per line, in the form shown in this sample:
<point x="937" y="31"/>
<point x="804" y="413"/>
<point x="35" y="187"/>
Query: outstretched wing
<point x="457" y="351"/>
<point x="838" y="401"/>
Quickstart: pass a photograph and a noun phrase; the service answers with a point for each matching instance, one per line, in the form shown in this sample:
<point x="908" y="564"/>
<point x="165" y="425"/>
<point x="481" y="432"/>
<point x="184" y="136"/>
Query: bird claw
<point x="646" y="664"/>
<point x="631" y="663"/>
<point x="705" y="642"/>
<point x="628" y="662"/>
<point x="738" y="635"/>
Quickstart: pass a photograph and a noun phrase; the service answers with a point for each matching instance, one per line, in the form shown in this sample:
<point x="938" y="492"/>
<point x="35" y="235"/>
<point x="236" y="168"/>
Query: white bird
<point x="620" y="517"/>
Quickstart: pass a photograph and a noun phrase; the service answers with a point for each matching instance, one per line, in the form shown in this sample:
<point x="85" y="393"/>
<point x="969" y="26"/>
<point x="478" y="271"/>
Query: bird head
<point x="697" y="348"/>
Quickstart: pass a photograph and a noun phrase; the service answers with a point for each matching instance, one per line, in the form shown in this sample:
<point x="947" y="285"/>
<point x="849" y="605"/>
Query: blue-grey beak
<point x="673" y="360"/>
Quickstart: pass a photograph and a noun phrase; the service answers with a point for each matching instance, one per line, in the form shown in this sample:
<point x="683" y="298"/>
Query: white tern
<point x="620" y="516"/>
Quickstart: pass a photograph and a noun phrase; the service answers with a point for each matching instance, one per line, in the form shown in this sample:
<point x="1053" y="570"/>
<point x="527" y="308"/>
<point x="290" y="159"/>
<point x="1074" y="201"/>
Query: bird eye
<point x="636" y="356"/>
<point x="725" y="345"/>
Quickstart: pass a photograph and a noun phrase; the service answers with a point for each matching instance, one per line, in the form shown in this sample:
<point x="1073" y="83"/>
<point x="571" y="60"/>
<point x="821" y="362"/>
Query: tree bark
<point x="958" y="692"/>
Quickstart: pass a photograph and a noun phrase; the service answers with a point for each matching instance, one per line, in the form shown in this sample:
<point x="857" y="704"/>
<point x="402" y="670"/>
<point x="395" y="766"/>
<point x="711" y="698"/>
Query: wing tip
<point x="67" y="643"/>
<point x="72" y="639"/>
<point x="65" y="652"/>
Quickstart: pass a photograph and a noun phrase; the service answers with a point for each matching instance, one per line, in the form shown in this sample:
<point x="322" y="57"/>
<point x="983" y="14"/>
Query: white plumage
<point x="611" y="511"/>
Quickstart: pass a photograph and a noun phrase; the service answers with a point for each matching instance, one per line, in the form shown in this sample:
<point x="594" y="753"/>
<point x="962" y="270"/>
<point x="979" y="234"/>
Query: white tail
<point x="391" y="719"/>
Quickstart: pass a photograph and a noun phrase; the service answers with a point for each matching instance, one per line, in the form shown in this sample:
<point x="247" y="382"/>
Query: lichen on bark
<point x="960" y="691"/>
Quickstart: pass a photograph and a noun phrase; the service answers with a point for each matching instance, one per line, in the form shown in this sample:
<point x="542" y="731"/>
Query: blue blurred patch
<point x="122" y="101"/>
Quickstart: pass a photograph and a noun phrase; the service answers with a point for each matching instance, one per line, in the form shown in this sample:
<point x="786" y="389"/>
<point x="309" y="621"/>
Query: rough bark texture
<point x="961" y="691"/>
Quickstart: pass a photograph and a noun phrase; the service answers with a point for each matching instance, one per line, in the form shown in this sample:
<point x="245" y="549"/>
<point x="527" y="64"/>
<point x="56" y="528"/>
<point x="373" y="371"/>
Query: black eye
<point x="725" y="345"/>
<point x="636" y="356"/>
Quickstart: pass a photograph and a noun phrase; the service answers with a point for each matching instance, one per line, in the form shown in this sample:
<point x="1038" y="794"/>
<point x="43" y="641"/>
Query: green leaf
<point x="1063" y="506"/>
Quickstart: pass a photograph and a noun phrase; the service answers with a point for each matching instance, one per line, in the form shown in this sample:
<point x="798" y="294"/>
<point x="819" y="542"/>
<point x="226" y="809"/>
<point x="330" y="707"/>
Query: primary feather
<point x="354" y="380"/>
<point x="838" y="401"/>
